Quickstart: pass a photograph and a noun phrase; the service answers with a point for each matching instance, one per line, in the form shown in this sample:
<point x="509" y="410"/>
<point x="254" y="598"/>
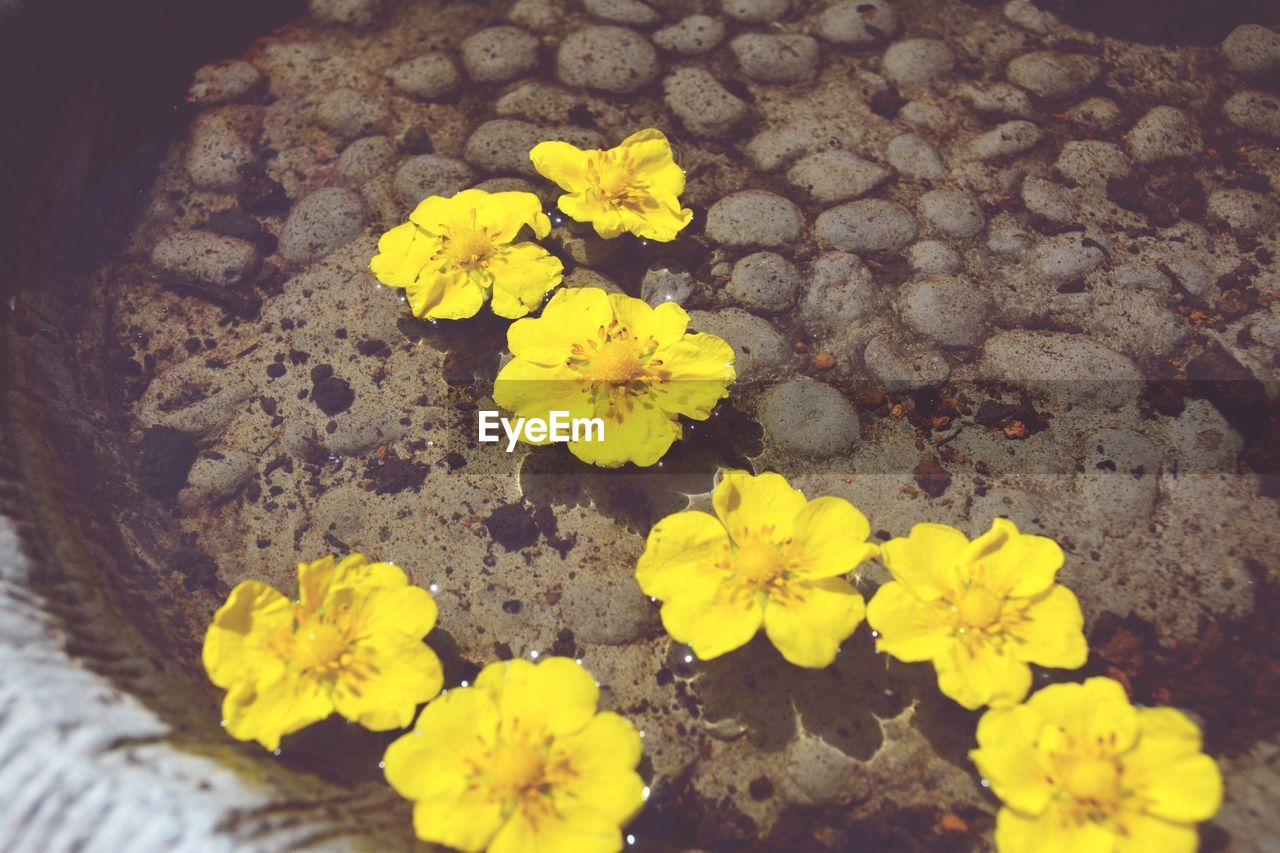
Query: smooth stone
<point x="999" y="99"/>
<point x="868" y="225"/>
<point x="914" y="157"/>
<point x="947" y="309"/>
<point x="775" y="147"/>
<point x="607" y="58"/>
<point x="760" y="351"/>
<point x="366" y="158"/>
<point x="933" y="257"/>
<point x="834" y="175"/>
<point x="1053" y="76"/>
<point x="499" y="54"/>
<point x="1255" y="112"/>
<point x="358" y="14"/>
<point x="1098" y="114"/>
<point x="784" y="58"/>
<point x="426" y="77"/>
<point x="503" y="145"/>
<point x="1202" y="440"/>
<point x="915" y="63"/>
<point x="221" y="82"/>
<point x="705" y="107"/>
<point x="215" y="477"/>
<point x="320" y="223"/>
<point x="754" y="218"/>
<point x="607" y="608"/>
<point x="666" y="283"/>
<point x="1012" y="137"/>
<point x="428" y="175"/>
<point x="348" y="114"/>
<point x="217" y="151"/>
<point x="952" y="213"/>
<point x="755" y="11"/>
<point x="858" y="23"/>
<point x="1066" y="257"/>
<point x="205" y="257"/>
<point x="1164" y="133"/>
<point x="1253" y="50"/>
<point x="809" y="418"/>
<point x="692" y="36"/>
<point x="1062" y="364"/>
<point x="629" y="12"/>
<point x="1091" y="162"/>
<point x="841" y="291"/>
<point x="1121" y="477"/>
<point x="1243" y="211"/>
<point x="764" y="281"/>
<point x="542" y="16"/>
<point x="901" y="365"/>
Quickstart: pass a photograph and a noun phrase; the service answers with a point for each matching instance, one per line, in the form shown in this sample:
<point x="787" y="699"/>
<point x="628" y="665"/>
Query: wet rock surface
<point x="974" y="260"/>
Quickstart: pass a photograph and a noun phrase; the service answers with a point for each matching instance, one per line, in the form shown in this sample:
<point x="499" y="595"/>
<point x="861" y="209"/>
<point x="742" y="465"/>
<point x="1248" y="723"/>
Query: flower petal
<point x="582" y="207"/>
<point x="556" y="696"/>
<point x="442" y="294"/>
<point x="1053" y="633"/>
<point x="910" y="629"/>
<point x="531" y="390"/>
<point x="1145" y="833"/>
<point x="447" y="735"/>
<point x="572" y="314"/>
<point x="403" y="253"/>
<point x="465" y="819"/>
<point x="809" y="624"/>
<point x="443" y="214"/>
<point x="666" y="324"/>
<point x="571" y="828"/>
<point x="1177" y="780"/>
<point x="661" y="220"/>
<point x="268" y="710"/>
<point x="697" y="372"/>
<point x="829" y="538"/>
<point x="406" y="610"/>
<point x="1013" y="563"/>
<point x="237" y="644"/>
<point x="926" y="561"/>
<point x="638" y="431"/>
<point x="503" y="214"/>
<point x="652" y="157"/>
<point x="522" y="275"/>
<point x="681" y="546"/>
<point x="1008" y="759"/>
<point x="749" y="504"/>
<point x="603" y="757"/>
<point x="1097" y="711"/>
<point x="712" y="617"/>
<point x="1052" y="832"/>
<point x="979" y="674"/>
<point x="388" y="678"/>
<point x="562" y="163"/>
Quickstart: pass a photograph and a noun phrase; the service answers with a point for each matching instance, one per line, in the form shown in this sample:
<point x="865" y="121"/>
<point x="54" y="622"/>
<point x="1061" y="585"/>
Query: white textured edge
<point x="83" y="766"/>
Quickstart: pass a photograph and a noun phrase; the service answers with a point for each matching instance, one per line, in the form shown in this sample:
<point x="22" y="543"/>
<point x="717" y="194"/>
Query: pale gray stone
<point x="914" y="157"/>
<point x="785" y="58"/>
<point x="320" y="223"/>
<point x="1164" y="133"/>
<point x="952" y="213"/>
<point x="841" y="291"/>
<point x="858" y="23"/>
<point x="426" y="77"/>
<point x="1053" y="76"/>
<point x="629" y="12"/>
<point x="1244" y="212"/>
<point x="607" y="58"/>
<point x="205" y="257"/>
<point x="764" y="281"/>
<point x="835" y="175"/>
<point x="704" y="106"/>
<point x="1012" y="137"/>
<point x="499" y="54"/>
<point x="348" y="114"/>
<point x="900" y="365"/>
<point x="755" y="11"/>
<point x="221" y="82"/>
<point x="1253" y="50"/>
<point x="868" y="225"/>
<point x="366" y="158"/>
<point x="428" y="175"/>
<point x="754" y="218"/>
<point x="915" y="63"/>
<point x="1255" y="112"/>
<point x="692" y="36"/>
<point x="809" y="418"/>
<point x="950" y="310"/>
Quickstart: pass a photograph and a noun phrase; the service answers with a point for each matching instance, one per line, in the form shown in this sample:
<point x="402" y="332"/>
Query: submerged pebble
<point x="765" y="282"/>
<point x="704" y="106"/>
<point x="499" y="54"/>
<point x="858" y="23"/>
<point x="320" y="223"/>
<point x="427" y="77"/>
<point x="691" y="36"/>
<point x="809" y="418"/>
<point x="608" y="58"/>
<point x="869" y="225"/>
<point x="754" y="218"/>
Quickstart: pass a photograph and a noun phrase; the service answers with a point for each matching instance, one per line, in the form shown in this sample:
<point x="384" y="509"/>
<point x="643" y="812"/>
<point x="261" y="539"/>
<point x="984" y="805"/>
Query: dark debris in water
<point x="165" y="456"/>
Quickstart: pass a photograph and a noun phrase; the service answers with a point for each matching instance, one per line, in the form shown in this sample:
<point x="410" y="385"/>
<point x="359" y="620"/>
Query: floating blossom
<point x="609" y="356"/>
<point x="981" y="610"/>
<point x="767" y="557"/>
<point x="352" y="642"/>
<point x="520" y="762"/>
<point x="634" y="188"/>
<point x="454" y="253"/>
<point x="1079" y="768"/>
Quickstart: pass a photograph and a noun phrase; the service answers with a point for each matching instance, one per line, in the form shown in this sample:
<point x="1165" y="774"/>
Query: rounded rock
<point x="777" y="58"/>
<point x="760" y="351"/>
<point x="840" y="292"/>
<point x="348" y="114"/>
<point x="503" y="145"/>
<point x="542" y="16"/>
<point x="1091" y="162"/>
<point x="754" y="218"/>
<point x="952" y="213"/>
<point x="1164" y="133"/>
<point x="900" y="365"/>
<point x="1066" y="257"/>
<point x="366" y="158"/>
<point x="915" y="63"/>
<point x="202" y="256"/>
<point x="809" y="418"/>
<point x="914" y="157"/>
<point x="1099" y="114"/>
<point x="666" y="283"/>
<point x="947" y="309"/>
<point x="216" y="476"/>
<point x="428" y="175"/>
<point x="932" y="257"/>
<point x="756" y="11"/>
<point x="427" y="77"/>
<point x="1253" y="50"/>
<point x="1061" y="364"/>
<point x="217" y="152"/>
<point x="1243" y="211"/>
<point x="704" y="106"/>
<point x="1255" y="112"/>
<point x="359" y="14"/>
<point x="499" y="54"/>
<point x="1053" y="76"/>
<point x="831" y="176"/>
<point x="630" y="12"/>
<point x="607" y="608"/>
<point x="221" y="82"/>
<point x="692" y="36"/>
<point x="765" y="282"/>
<point x="1012" y="137"/>
<point x="322" y="222"/>
<point x="607" y="58"/>
<point x="869" y="225"/>
<point x="858" y="23"/>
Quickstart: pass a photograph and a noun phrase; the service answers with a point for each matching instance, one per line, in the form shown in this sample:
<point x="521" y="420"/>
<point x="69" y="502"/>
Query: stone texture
<point x="704" y="106"/>
<point x="320" y="223"/>
<point x="754" y="218"/>
<point x="870" y="225"/>
<point x="607" y="58"/>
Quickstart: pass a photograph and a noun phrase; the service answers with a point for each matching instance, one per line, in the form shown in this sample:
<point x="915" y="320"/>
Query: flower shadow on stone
<point x="639" y="497"/>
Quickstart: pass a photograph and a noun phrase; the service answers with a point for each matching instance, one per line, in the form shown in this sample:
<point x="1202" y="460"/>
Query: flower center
<point x="979" y="607"/>
<point x="517" y="768"/>
<point x="613" y="178"/>
<point x="617" y="361"/>
<point x="758" y="562"/>
<point x="318" y="646"/>
<point x="1093" y="779"/>
<point x="469" y="248"/>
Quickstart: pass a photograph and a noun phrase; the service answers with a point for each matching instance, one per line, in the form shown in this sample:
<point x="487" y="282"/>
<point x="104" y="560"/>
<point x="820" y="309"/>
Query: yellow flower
<point x="520" y="762"/>
<point x="352" y="642"/>
<point x="634" y="188"/>
<point x="981" y="610"/>
<point x="609" y="356"/>
<point x="453" y="253"/>
<point x="767" y="556"/>
<point x="1078" y="768"/>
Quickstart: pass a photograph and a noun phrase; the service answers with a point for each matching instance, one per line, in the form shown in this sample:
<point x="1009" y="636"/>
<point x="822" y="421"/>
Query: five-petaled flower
<point x="634" y="188"/>
<point x="352" y="642"/>
<point x="1080" y="768"/>
<point x="981" y="610"/>
<point x="768" y="556"/>
<point x="455" y="252"/>
<point x="595" y="354"/>
<point x="519" y="762"/>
